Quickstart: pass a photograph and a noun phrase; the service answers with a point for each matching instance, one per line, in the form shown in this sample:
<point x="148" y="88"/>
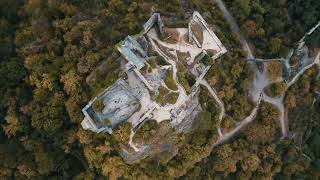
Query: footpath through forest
<point x="260" y="81"/>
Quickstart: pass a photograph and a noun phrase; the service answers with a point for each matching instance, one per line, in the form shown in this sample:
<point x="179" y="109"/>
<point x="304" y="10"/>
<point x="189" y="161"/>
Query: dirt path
<point x="131" y="144"/>
<point x="296" y="77"/>
<point x="182" y="92"/>
<point x="164" y="112"/>
<point x="241" y="125"/>
<point x="278" y="102"/>
<point x="261" y="81"/>
<point x="235" y="28"/>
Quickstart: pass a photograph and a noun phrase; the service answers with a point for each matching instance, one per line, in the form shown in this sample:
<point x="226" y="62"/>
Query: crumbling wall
<point x="154" y="19"/>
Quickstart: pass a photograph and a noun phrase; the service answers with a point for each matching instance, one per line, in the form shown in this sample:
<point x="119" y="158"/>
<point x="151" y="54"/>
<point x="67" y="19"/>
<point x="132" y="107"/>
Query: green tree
<point x="48" y="111"/>
<point x="275" y="45"/>
<point x="11" y="73"/>
<point x="12" y="126"/>
<point x="98" y="105"/>
<point x="71" y="82"/>
<point x="122" y="132"/>
<point x="45" y="162"/>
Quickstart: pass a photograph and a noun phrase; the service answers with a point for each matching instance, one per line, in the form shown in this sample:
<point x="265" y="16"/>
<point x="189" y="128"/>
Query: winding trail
<point x="296" y="77"/>
<point x="165" y="110"/>
<point x="161" y="113"/>
<point x="301" y="41"/>
<point x="259" y="83"/>
<point x="241" y="125"/>
<point x="182" y="46"/>
<point x="131" y="144"/>
<point x="235" y="28"/>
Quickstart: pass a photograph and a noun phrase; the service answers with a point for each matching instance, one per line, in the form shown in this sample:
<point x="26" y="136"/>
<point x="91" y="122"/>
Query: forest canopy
<point x="48" y="50"/>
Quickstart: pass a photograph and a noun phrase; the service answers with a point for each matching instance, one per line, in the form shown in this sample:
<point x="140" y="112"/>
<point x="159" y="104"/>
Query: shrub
<point x="122" y="132"/>
<point x="98" y="105"/>
<point x="106" y="122"/>
<point x="171" y="84"/>
<point x="172" y="98"/>
<point x="161" y="97"/>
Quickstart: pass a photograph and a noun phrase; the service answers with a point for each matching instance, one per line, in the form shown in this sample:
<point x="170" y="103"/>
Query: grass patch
<point x="171" y="84"/>
<point x="152" y="62"/>
<point x="184" y="82"/>
<point x="161" y="97"/>
<point x="185" y="78"/>
<point x="211" y="52"/>
<point x="172" y="97"/>
<point x="165" y="96"/>
<point x="105" y="74"/>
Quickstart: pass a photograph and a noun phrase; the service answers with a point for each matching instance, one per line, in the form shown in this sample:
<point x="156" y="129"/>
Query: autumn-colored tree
<point x="250" y="28"/>
<point x="12" y="126"/>
<point x="275" y="45"/>
<point x="71" y="82"/>
<point x="274" y="70"/>
<point x="122" y="132"/>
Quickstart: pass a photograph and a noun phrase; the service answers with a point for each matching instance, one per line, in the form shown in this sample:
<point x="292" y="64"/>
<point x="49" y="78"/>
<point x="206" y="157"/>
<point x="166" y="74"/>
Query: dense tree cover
<point x="266" y="127"/>
<point x="274" y="26"/>
<point x="170" y="81"/>
<point x="209" y="107"/>
<point x="276" y="89"/>
<point x="186" y="78"/>
<point x="314" y="39"/>
<point x="122" y="132"/>
<point x="257" y="154"/>
<point x="232" y="76"/>
<point x="48" y="50"/>
<point x="147" y="131"/>
<point x="302" y="102"/>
